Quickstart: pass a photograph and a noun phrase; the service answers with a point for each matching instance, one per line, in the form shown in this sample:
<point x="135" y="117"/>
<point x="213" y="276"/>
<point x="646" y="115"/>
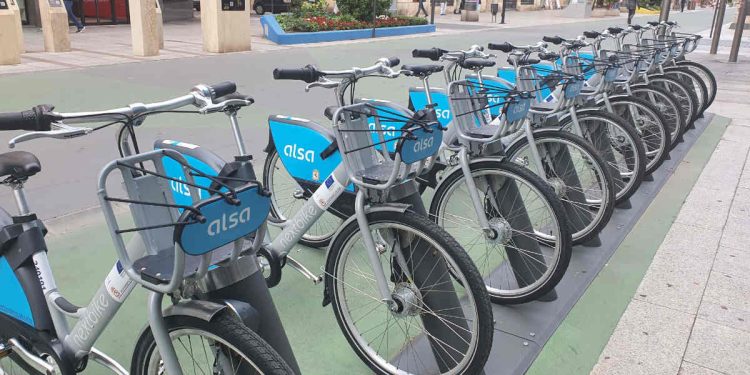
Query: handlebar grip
<point x="556" y="40"/>
<point x="308" y="74"/>
<point x="504" y="47"/>
<point x="393" y="61"/>
<point x="35" y="119"/>
<point x="222" y="89"/>
<point x="636" y="27"/>
<point x="591" y="34"/>
<point x="653" y="23"/>
<point x="670" y="23"/>
<point x="614" y="30"/>
<point x="433" y="54"/>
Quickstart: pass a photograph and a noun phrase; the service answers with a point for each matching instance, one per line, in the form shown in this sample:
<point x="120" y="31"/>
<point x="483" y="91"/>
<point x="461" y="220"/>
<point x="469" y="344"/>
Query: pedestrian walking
<point x="421" y="9"/>
<point x="682" y="5"/>
<point x="631" y="5"/>
<point x="72" y="17"/>
<point x="443" y="5"/>
<point x="458" y="9"/>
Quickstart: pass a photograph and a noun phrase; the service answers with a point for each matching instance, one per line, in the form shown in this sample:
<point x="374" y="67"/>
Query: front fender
<point x="392" y="207"/>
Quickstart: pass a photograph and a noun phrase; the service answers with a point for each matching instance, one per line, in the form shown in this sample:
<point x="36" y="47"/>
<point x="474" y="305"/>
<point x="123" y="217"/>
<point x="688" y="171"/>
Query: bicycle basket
<point x="574" y="81"/>
<point x="169" y="245"/>
<point x="372" y="166"/>
<point x="470" y="104"/>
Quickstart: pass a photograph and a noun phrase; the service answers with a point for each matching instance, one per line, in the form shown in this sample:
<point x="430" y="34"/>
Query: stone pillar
<point x="54" y="25"/>
<point x="144" y="28"/>
<point x="225" y="25"/>
<point x="13" y="5"/>
<point x="10" y="53"/>
<point x="159" y="24"/>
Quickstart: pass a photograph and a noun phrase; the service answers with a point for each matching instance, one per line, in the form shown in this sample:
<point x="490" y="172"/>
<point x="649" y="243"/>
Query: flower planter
<point x="273" y="32"/>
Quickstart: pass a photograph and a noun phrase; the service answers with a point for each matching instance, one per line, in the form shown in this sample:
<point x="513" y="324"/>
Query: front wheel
<point x="527" y="249"/>
<point x="222" y="346"/>
<point x="439" y="317"/>
<point x="650" y="127"/>
<point x="577" y="173"/>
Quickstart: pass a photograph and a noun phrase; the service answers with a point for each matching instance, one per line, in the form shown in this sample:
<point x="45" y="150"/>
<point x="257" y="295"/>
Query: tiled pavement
<point x="691" y="313"/>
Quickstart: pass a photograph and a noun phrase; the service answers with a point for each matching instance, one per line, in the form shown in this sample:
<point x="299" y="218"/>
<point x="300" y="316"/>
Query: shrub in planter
<point x="328" y="22"/>
<point x="363" y="9"/>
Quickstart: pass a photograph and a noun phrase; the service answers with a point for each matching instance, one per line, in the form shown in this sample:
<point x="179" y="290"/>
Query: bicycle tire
<point x="272" y="167"/>
<point x="573" y="204"/>
<point x="559" y="239"/>
<point x="621" y="138"/>
<point x="706" y="75"/>
<point x="421" y="228"/>
<point x="657" y="144"/>
<point x="693" y="81"/>
<point x="225" y="329"/>
<point x="668" y="106"/>
<point x="685" y="96"/>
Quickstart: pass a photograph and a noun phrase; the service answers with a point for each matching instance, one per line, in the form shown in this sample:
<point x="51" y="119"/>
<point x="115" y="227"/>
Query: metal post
<point x="432" y="12"/>
<point x="665" y="7"/>
<point x="713" y="21"/>
<point x="739" y="27"/>
<point x="502" y="12"/>
<point x="717" y="26"/>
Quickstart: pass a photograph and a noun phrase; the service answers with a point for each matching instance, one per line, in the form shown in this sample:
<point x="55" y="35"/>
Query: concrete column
<point x="159" y="24"/>
<point x="225" y="25"/>
<point x="13" y="5"/>
<point x="10" y="53"/>
<point x="54" y="25"/>
<point x="144" y="28"/>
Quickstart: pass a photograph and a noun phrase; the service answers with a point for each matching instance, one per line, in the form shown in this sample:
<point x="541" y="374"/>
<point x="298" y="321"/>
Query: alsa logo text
<point x="424" y="144"/>
<point x="227" y="222"/>
<point x="299" y="153"/>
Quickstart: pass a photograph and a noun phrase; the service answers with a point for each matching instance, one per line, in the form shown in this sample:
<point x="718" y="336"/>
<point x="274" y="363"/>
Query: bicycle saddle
<point x="476" y="63"/>
<point x="421" y="70"/>
<point x="19" y="164"/>
<point x="614" y="30"/>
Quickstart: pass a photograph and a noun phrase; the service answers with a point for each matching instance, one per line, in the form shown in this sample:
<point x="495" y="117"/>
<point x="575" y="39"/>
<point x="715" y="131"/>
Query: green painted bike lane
<point x="579" y="340"/>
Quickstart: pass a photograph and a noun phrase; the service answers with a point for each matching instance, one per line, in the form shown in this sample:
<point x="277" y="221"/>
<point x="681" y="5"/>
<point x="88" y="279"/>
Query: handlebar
<point x="507" y="47"/>
<point x="433" y="54"/>
<point x="44" y="123"/>
<point x="556" y="40"/>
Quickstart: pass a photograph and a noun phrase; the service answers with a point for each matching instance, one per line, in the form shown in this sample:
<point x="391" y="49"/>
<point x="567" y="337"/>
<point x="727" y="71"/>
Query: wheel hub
<point x="407" y="300"/>
<point x="501" y="231"/>
<point x="558" y="185"/>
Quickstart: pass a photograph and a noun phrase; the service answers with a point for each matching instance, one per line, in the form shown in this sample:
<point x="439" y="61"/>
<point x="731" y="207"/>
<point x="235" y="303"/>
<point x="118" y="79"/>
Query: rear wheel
<point x="685" y="96"/>
<point x="693" y="82"/>
<point x="288" y="197"/>
<point x="706" y="76"/>
<point x="222" y="346"/>
<point x="528" y="248"/>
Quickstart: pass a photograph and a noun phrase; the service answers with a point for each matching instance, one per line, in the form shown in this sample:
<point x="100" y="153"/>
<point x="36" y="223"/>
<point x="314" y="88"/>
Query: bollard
<point x="144" y="27"/>
<point x="54" y="25"/>
<point x="159" y="24"/>
<point x="10" y="53"/>
<point x="471" y="11"/>
<point x="225" y="25"/>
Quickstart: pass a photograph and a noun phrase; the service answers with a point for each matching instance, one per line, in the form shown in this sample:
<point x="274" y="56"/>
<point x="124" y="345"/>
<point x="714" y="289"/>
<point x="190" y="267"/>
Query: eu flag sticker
<point x="329" y="181"/>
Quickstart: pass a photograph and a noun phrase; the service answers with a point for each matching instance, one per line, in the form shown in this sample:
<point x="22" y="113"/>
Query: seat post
<point x="20" y="196"/>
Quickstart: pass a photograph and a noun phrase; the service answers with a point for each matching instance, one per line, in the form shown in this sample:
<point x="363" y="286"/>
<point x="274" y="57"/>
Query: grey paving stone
<point x="737" y="133"/>
<point x="725" y="290"/>
<point x="733" y="261"/>
<point x="693" y="369"/>
<point x="719" y="347"/>
<point x="704" y="207"/>
<point x="724" y="315"/>
<point x="649" y="339"/>
<point x="680" y="269"/>
<point x="723" y="170"/>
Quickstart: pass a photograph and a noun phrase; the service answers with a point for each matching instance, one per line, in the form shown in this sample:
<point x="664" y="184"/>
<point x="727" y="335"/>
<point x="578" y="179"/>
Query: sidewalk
<point x="691" y="312"/>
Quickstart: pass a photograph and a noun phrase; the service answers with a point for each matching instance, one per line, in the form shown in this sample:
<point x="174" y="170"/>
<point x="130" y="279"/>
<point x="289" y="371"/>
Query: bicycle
<point x="34" y="334"/>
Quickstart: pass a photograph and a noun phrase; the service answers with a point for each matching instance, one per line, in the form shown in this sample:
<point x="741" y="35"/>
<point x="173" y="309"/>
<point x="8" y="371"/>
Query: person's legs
<point x="631" y="13"/>
<point x="442" y="8"/>
<point x="72" y="17"/>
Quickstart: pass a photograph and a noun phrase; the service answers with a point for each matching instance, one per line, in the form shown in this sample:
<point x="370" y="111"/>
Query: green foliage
<point x="313" y="8"/>
<point x="294" y="22"/>
<point x="363" y="9"/>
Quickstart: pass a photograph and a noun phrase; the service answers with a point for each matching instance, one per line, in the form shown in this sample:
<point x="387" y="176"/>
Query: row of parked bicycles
<point x="430" y="210"/>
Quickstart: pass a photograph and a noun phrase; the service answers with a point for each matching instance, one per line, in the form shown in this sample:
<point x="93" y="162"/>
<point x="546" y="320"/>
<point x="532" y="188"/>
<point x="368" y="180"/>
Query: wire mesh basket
<point x="471" y="104"/>
<point x="179" y="239"/>
<point x="360" y="136"/>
